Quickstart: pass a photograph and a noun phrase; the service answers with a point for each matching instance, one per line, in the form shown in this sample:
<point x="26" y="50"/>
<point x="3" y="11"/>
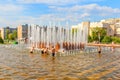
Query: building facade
<point x="6" y="30"/>
<point x="112" y="26"/>
<point x="22" y="32"/>
<point x="100" y="24"/>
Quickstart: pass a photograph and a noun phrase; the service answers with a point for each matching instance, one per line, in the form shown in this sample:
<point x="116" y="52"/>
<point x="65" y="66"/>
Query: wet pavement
<point x="21" y="65"/>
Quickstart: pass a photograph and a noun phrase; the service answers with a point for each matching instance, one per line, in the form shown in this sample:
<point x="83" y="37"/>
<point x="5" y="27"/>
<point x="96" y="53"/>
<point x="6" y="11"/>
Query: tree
<point x="74" y="30"/>
<point x="15" y="34"/>
<point x="7" y="34"/>
<point x="0" y="34"/>
<point x="1" y="40"/>
<point x="11" y="37"/>
<point x="90" y="39"/>
<point x="98" y="34"/>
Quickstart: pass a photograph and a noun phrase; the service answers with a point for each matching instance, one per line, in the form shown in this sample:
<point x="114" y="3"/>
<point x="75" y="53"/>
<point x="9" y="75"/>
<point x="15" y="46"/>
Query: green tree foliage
<point x="90" y="39"/>
<point x="74" y="30"/>
<point x="11" y="36"/>
<point x="7" y="34"/>
<point x="0" y="34"/>
<point x="116" y="39"/>
<point x="1" y="40"/>
<point x="15" y="34"/>
<point x="107" y="39"/>
<point x="98" y="34"/>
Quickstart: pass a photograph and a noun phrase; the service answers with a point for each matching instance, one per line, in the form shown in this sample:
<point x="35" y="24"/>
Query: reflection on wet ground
<point x="16" y="65"/>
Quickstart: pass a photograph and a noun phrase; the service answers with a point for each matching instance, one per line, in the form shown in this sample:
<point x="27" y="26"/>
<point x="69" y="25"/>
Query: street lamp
<point x="99" y="36"/>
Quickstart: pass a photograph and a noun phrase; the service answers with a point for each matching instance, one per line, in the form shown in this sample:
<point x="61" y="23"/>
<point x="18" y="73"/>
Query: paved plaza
<point x="21" y="65"/>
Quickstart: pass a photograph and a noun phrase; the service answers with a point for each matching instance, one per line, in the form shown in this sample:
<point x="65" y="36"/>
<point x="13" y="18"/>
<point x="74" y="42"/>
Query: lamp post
<point x="99" y="36"/>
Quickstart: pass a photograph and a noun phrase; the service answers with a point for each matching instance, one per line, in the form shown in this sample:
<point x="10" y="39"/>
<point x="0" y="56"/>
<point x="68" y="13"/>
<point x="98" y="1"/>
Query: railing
<point x="94" y="49"/>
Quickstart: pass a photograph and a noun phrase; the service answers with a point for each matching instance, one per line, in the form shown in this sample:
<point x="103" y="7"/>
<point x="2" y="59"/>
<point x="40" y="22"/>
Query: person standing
<point x="113" y="48"/>
<point x="99" y="49"/>
<point x="53" y="51"/>
<point x="32" y="49"/>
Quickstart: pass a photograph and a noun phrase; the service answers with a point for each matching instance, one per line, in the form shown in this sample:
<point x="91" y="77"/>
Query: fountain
<point x="62" y="38"/>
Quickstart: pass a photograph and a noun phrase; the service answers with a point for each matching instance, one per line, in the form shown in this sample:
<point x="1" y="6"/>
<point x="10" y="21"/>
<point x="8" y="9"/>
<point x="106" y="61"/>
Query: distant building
<point x="22" y="31"/>
<point x="117" y="25"/>
<point x="111" y="30"/>
<point x="112" y="26"/>
<point x="4" y="31"/>
<point x="100" y="24"/>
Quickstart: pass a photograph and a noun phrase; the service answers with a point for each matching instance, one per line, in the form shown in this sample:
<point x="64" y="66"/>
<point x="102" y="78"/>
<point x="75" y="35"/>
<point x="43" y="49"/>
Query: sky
<point x="56" y="12"/>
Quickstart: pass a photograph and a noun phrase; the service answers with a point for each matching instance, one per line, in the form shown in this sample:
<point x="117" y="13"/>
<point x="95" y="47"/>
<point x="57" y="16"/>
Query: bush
<point x="107" y="39"/>
<point x="116" y="39"/>
<point x="90" y="39"/>
<point x="1" y="40"/>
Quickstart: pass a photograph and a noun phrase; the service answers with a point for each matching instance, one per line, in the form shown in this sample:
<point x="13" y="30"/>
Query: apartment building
<point x="112" y="26"/>
<point x="4" y="31"/>
<point x="22" y="31"/>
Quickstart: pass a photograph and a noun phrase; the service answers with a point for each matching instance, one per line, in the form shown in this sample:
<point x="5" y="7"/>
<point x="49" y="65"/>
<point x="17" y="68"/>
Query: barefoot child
<point x="32" y="49"/>
<point x="99" y="49"/>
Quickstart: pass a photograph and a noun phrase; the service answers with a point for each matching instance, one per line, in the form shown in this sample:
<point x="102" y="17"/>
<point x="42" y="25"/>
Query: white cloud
<point x="10" y="9"/>
<point x="56" y="2"/>
<point x="45" y="19"/>
<point x="89" y="9"/>
<point x="85" y="15"/>
<point x="50" y="2"/>
<point x="78" y="13"/>
<point x="74" y="14"/>
<point x="9" y="14"/>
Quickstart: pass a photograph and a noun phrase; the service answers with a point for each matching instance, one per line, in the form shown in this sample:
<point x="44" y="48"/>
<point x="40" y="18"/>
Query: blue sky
<point x="56" y="12"/>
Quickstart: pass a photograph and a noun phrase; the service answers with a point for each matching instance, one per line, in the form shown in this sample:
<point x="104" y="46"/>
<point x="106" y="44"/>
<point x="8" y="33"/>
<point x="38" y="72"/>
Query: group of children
<point x="45" y="50"/>
<point x="52" y="50"/>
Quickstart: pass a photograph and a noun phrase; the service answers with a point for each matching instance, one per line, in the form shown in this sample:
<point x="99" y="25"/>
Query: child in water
<point x="113" y="48"/>
<point x="32" y="49"/>
<point x="46" y="51"/>
<point x="53" y="51"/>
<point x="42" y="51"/>
<point x="99" y="49"/>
